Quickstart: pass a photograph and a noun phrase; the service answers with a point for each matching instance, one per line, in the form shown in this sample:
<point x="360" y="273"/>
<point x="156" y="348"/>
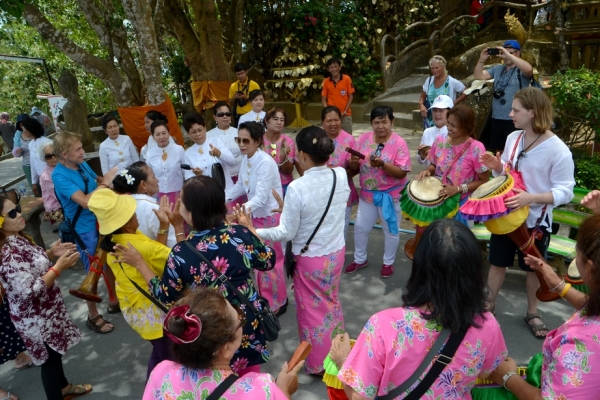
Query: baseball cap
<point x="512" y="44"/>
<point x="442" y="101"/>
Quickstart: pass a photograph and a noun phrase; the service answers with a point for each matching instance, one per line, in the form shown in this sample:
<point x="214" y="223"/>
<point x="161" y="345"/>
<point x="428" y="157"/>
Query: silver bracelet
<point x="286" y="160"/>
<point x="465" y="188"/>
<point x="554" y="289"/>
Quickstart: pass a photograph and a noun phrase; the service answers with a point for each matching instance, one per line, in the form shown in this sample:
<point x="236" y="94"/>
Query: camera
<point x="498" y="94"/>
<point x="493" y="52"/>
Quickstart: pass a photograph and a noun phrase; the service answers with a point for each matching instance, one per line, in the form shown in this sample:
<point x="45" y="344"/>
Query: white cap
<point x="442" y="101"/>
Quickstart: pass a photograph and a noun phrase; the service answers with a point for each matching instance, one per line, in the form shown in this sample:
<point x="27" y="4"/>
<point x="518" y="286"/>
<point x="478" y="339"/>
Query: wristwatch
<point x="506" y="377"/>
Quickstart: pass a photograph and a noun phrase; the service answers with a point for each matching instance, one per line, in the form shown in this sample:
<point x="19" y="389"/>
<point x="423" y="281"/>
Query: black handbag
<point x="289" y="262"/>
<point x="267" y="319"/>
<point x="66" y="229"/>
<point x="218" y="173"/>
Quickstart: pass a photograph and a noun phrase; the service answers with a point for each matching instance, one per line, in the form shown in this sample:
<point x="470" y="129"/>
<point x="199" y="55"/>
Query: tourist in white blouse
<point x="258" y="178"/>
<point x="227" y="135"/>
<point x="117" y="150"/>
<point x="205" y="152"/>
<point x="149" y="118"/>
<point x="139" y="180"/>
<point x="439" y="111"/>
<point x="39" y="141"/>
<point x="257" y="99"/>
<point x="165" y="160"/>
<point x="318" y="269"/>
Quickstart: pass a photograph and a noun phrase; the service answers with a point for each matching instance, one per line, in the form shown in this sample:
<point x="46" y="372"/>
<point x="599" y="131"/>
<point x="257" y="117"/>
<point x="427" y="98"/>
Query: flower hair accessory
<point x="314" y="140"/>
<point x="124" y="172"/>
<point x="193" y="326"/>
<point x="130" y="179"/>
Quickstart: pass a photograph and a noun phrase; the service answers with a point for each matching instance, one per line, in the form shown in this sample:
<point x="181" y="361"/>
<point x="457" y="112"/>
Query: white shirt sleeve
<point x="226" y="156"/>
<point x="132" y="151"/>
<point x="187" y="174"/>
<point x="143" y="153"/>
<point x="103" y="158"/>
<point x="457" y="87"/>
<point x="289" y="222"/>
<point x="33" y="156"/>
<point x="236" y="191"/>
<point x="562" y="178"/>
<point x="262" y="192"/>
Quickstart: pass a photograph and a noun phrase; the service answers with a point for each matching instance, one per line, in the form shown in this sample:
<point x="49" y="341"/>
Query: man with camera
<point x="238" y="93"/>
<point x="515" y="74"/>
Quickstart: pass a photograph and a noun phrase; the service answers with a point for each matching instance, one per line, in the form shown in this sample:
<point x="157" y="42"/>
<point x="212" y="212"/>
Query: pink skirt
<point x="318" y="307"/>
<point x="271" y="284"/>
<point x="172" y="196"/>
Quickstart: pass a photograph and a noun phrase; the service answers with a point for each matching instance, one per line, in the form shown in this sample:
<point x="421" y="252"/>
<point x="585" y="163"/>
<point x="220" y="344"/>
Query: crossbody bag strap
<point x="305" y="248"/>
<point x="514" y="150"/>
<point x="441" y="361"/>
<point x="72" y="223"/>
<point x="466" y="147"/>
<point x="221" y="277"/>
<point x="223" y="386"/>
<point x="157" y="303"/>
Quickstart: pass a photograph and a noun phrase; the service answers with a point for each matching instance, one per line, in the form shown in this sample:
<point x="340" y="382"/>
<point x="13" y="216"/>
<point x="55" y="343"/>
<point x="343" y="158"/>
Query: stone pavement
<point x="115" y="363"/>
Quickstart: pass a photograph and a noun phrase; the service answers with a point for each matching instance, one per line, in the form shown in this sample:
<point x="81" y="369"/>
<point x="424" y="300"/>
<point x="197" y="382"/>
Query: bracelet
<point x="180" y="234"/>
<point x="565" y="290"/>
<point x="553" y="290"/>
<point x="163" y="231"/>
<point x="55" y="271"/>
<point x="340" y="361"/>
<point x="286" y="160"/>
<point x="465" y="188"/>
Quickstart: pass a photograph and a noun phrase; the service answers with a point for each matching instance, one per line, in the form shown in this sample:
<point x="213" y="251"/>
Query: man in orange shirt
<point x="338" y="91"/>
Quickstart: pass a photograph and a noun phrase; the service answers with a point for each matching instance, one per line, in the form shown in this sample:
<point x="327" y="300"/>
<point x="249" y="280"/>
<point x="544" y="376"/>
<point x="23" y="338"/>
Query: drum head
<point x="489" y="187"/>
<point x="426" y="190"/>
<point x="572" y="271"/>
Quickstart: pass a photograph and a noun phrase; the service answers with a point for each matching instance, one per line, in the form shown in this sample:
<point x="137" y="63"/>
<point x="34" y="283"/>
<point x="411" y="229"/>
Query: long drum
<point x="88" y="290"/>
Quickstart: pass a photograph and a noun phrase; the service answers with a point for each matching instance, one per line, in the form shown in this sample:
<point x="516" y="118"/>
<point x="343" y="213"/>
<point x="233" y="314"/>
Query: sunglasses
<point x="241" y="316"/>
<point x="242" y="140"/>
<point x="49" y="156"/>
<point x="12" y="214"/>
<point x="224" y="114"/>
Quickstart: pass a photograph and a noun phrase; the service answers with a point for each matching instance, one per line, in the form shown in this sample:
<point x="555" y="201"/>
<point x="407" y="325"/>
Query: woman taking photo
<point x="546" y="167"/>
<point x="279" y="146"/>
<point x="37" y="308"/>
<point x="437" y="84"/>
<point x="227" y="134"/>
<point x="206" y="331"/>
<point x="331" y="122"/>
<point x="139" y="180"/>
<point x="117" y="150"/>
<point x="165" y="159"/>
<point x="232" y="248"/>
<point x="444" y="294"/>
<point x="382" y="178"/>
<point x="259" y="180"/>
<point x="318" y="269"/>
<point x="455" y="158"/>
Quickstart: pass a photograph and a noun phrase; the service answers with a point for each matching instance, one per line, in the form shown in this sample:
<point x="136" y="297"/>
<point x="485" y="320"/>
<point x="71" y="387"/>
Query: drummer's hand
<point x="449" y="191"/>
<point x="505" y="366"/>
<point x="522" y="199"/>
<point x="491" y="161"/>
<point x="340" y="348"/>
<point x="354" y="163"/>
<point x="423" y="174"/>
<point x="375" y="162"/>
<point x="536" y="264"/>
<point x="592" y="201"/>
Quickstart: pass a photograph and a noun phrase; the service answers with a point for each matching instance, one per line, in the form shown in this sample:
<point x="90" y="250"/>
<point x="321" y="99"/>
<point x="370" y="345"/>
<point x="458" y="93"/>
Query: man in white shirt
<point x="439" y="111"/>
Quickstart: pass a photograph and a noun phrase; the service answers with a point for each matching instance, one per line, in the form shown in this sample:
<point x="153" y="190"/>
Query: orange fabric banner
<point x="133" y="122"/>
<point x="209" y="91"/>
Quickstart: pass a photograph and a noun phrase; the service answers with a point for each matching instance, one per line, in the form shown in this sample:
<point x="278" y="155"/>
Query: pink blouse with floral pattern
<point x="340" y="158"/>
<point x="274" y="149"/>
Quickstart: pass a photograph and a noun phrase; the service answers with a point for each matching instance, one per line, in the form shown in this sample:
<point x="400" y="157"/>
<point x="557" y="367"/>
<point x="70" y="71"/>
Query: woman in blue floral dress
<point x="234" y="250"/>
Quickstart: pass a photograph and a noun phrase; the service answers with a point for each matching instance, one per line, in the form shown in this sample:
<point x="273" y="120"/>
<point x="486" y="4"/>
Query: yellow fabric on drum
<point x="507" y="223"/>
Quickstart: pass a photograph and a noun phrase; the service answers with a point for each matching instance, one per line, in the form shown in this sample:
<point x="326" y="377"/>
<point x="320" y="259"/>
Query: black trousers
<point x="53" y="376"/>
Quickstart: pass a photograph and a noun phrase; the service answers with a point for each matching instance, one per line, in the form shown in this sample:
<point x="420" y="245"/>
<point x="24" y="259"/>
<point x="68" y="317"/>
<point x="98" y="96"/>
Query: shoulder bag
<point x="66" y="229"/>
<point x="217" y="172"/>
<point x="442" y="353"/>
<point x="266" y="317"/>
<point x="290" y="260"/>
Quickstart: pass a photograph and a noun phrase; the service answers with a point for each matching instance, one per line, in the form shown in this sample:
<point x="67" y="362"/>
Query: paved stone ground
<point x="116" y="363"/>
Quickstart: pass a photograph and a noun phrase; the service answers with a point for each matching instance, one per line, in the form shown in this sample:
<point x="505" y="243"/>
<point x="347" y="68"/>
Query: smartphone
<point x="493" y="51"/>
<point x="186" y="167"/>
<point x="302" y="351"/>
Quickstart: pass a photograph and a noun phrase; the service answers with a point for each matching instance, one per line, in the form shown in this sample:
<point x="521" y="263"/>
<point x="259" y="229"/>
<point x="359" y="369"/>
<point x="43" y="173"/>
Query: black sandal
<point x="91" y="323"/>
<point x="114" y="308"/>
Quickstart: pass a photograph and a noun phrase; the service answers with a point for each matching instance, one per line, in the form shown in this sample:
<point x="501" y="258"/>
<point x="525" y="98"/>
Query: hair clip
<point x="193" y="325"/>
<point x="1" y="221"/>
<point x="315" y="140"/>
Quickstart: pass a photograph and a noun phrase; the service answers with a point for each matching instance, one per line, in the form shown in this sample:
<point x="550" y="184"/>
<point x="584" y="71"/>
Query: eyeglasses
<point x="224" y="114"/>
<point x="12" y="214"/>
<point x="242" y="140"/>
<point x="241" y="316"/>
<point x="49" y="156"/>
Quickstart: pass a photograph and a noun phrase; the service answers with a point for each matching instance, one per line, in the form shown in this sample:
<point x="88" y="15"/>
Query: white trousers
<point x="348" y="212"/>
<point x="365" y="219"/>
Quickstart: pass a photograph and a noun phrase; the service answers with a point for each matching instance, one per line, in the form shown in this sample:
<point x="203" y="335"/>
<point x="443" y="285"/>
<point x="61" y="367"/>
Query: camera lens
<point x="498" y="94"/>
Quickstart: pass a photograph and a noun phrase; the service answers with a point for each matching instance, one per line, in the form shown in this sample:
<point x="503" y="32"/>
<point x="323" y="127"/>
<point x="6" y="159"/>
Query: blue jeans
<point x="90" y="239"/>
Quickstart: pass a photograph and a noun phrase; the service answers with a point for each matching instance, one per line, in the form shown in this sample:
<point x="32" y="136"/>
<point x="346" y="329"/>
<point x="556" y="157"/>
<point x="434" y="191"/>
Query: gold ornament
<point x="165" y="155"/>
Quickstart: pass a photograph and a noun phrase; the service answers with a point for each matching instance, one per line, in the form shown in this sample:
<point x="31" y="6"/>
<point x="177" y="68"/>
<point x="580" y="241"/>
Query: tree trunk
<point x="562" y="40"/>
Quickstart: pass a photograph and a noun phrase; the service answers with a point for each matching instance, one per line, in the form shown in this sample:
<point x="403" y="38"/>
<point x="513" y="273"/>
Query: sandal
<point x="91" y="323"/>
<point x="536" y="328"/>
<point x="24" y="366"/>
<point x="9" y="396"/>
<point x="77" y="390"/>
<point x="113" y="308"/>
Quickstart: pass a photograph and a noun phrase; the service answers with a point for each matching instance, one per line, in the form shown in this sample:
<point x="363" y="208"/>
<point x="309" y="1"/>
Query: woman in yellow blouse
<point x="119" y="224"/>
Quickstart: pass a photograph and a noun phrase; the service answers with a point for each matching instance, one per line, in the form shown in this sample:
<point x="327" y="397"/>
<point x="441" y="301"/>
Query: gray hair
<point x="44" y="144"/>
<point x="439" y="60"/>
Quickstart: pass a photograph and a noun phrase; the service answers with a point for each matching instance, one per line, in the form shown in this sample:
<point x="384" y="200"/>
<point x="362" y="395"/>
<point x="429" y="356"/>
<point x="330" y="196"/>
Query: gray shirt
<point x="506" y="80"/>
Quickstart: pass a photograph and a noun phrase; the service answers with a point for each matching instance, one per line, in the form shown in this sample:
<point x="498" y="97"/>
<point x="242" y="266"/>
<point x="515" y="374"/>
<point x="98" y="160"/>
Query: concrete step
<point x="424" y="70"/>
<point x="402" y="120"/>
<point x="403" y="103"/>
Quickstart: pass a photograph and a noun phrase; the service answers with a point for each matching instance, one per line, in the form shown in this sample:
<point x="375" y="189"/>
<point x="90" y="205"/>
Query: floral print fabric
<point x="570" y="352"/>
<point x="235" y="251"/>
<point x="341" y="157"/>
<point x="172" y="381"/>
<point x="274" y="149"/>
<point x="394" y="341"/>
<point x="395" y="152"/>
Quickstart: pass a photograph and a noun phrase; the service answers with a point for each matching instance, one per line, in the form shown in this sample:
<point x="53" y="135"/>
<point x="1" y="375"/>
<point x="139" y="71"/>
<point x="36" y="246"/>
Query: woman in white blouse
<point x="139" y="180"/>
<point x="149" y="118"/>
<point x="258" y="178"/>
<point x="227" y="134"/>
<point x="205" y="151"/>
<point x="257" y="99"/>
<point x="318" y="269"/>
<point x="165" y="160"/>
<point x="117" y="150"/>
<point x="38" y="164"/>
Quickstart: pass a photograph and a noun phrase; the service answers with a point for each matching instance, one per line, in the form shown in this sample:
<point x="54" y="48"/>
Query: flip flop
<point x="77" y="390"/>
<point x="535" y="328"/>
<point x="24" y="367"/>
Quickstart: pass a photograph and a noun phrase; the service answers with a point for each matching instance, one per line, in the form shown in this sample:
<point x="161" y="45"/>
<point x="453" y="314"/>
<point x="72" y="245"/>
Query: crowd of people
<point x="199" y="242"/>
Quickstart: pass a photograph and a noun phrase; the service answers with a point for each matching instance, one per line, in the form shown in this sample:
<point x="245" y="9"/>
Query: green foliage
<point x="587" y="174"/>
<point x="368" y="84"/>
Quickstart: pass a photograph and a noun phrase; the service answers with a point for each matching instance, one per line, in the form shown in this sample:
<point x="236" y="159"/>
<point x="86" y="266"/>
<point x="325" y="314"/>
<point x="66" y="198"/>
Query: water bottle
<point x="22" y="190"/>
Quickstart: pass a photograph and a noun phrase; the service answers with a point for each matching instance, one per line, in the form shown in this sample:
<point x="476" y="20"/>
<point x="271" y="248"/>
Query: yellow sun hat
<point x="112" y="210"/>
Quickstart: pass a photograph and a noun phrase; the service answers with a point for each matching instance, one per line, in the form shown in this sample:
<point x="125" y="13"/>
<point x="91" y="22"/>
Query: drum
<point x="422" y="204"/>
<point x="574" y="278"/>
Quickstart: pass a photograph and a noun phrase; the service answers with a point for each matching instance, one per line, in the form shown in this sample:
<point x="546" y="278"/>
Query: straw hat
<point x="478" y="86"/>
<point x="112" y="210"/>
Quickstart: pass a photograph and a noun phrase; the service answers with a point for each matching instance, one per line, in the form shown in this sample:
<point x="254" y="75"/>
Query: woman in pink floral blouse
<point x="36" y="305"/>
<point x="570" y="369"/>
<point x="53" y="208"/>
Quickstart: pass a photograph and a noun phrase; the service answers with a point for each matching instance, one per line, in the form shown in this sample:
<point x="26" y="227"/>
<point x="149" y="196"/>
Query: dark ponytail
<point x="137" y="170"/>
<point x="315" y="143"/>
